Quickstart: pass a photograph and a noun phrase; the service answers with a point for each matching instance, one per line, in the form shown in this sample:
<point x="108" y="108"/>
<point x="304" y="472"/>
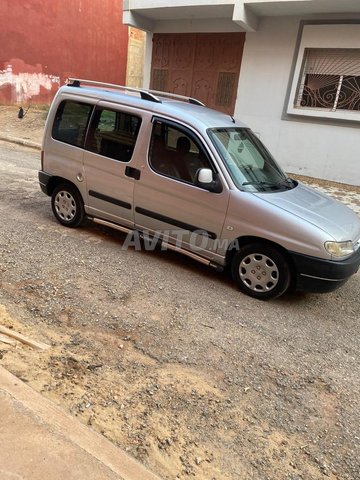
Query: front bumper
<point x="318" y="275"/>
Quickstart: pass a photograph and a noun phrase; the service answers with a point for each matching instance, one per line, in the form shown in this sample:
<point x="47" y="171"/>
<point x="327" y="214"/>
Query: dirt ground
<point x="30" y="127"/>
<point x="166" y="358"/>
<point x="109" y="385"/>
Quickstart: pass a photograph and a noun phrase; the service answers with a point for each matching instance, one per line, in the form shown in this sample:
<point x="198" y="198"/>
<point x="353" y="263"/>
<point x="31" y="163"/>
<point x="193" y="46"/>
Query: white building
<point x="290" y="69"/>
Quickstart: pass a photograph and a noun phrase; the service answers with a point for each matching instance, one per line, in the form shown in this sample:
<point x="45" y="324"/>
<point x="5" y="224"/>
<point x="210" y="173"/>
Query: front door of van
<point x="110" y="144"/>
<point x="167" y="201"/>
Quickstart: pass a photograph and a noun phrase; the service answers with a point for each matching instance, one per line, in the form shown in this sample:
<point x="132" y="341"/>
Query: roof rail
<point x="76" y="82"/>
<point x="151" y="95"/>
<point x="194" y="101"/>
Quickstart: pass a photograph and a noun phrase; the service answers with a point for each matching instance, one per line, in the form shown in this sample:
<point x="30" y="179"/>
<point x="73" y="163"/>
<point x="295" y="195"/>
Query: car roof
<point x="189" y="113"/>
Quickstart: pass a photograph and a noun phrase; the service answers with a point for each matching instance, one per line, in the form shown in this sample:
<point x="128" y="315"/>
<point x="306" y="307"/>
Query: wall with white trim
<point x="313" y="147"/>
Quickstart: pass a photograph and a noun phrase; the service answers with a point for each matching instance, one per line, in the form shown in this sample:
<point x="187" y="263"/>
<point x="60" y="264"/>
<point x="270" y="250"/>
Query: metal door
<point x="203" y="65"/>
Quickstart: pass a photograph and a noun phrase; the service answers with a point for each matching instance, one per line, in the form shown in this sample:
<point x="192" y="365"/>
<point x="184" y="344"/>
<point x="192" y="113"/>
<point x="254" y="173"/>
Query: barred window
<point x="160" y="80"/>
<point x="225" y="89"/>
<point x="330" y="79"/>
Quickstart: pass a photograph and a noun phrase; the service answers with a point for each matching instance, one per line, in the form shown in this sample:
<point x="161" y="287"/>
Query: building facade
<point x="294" y="76"/>
<point x="43" y="43"/>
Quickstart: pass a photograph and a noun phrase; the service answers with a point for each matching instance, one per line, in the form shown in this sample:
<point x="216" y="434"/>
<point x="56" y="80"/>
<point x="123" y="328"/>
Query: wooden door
<point x="205" y="66"/>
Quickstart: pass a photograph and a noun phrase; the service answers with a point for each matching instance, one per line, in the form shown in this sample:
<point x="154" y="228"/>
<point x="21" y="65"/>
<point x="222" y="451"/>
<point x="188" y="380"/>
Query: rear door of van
<point x="108" y="162"/>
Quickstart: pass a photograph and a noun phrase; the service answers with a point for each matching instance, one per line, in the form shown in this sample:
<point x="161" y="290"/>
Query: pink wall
<point x="44" y="42"/>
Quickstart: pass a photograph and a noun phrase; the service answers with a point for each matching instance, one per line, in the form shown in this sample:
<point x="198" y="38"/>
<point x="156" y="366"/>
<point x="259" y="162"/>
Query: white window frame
<point x="322" y="36"/>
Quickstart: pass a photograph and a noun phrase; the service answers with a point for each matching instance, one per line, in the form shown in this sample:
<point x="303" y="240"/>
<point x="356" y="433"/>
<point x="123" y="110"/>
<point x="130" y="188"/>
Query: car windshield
<point x="250" y="165"/>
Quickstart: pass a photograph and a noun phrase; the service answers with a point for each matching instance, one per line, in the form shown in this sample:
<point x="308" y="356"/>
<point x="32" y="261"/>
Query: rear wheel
<point x="67" y="205"/>
<point x="261" y="271"/>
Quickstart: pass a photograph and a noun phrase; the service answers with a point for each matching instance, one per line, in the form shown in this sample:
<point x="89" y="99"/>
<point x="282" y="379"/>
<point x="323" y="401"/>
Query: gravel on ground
<point x="167" y="359"/>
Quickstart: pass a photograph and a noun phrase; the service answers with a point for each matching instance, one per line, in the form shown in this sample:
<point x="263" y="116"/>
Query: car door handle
<point x="132" y="172"/>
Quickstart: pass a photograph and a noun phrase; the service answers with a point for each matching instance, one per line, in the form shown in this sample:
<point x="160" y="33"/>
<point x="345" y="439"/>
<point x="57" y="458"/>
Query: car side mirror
<point x="205" y="175"/>
<point x="208" y="180"/>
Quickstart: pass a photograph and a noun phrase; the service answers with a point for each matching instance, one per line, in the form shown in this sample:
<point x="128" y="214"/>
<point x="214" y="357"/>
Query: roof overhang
<point x="269" y="8"/>
<point x="242" y="13"/>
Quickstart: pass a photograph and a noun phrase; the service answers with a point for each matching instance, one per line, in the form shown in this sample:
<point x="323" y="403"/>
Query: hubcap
<point x="65" y="206"/>
<point x="259" y="273"/>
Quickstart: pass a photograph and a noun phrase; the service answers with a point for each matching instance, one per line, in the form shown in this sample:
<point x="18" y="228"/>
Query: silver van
<point x="197" y="181"/>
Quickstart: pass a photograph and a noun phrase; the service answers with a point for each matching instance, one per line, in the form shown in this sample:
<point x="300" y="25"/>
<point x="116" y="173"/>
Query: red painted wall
<point x="44" y="42"/>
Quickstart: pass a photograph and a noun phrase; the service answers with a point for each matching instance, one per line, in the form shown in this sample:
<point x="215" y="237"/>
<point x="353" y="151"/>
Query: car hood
<point x="319" y="209"/>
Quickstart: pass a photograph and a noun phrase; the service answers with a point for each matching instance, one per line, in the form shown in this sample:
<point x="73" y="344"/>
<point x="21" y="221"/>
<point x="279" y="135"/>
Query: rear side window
<point x="113" y="134"/>
<point x="71" y="121"/>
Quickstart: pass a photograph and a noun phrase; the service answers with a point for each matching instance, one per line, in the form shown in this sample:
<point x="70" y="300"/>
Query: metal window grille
<point x="225" y="89"/>
<point x="160" y="80"/>
<point x="330" y="79"/>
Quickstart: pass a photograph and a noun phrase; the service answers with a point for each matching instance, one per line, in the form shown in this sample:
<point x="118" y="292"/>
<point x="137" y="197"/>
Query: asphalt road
<point x="286" y="372"/>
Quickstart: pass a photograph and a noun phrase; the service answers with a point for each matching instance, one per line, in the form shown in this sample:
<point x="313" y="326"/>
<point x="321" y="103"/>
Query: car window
<point x="174" y="153"/>
<point x="113" y="134"/>
<point x="71" y="121"/>
<point x="250" y="165"/>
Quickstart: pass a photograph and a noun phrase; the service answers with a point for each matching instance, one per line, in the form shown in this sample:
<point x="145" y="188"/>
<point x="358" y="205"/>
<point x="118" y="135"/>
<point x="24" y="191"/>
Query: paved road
<point x="285" y="373"/>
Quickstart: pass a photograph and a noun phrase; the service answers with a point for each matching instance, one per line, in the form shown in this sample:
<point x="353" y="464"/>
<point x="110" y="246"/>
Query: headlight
<point x="340" y="249"/>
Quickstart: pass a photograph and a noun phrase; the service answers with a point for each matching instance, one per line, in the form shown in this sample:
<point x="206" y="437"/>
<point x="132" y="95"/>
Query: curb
<point x="21" y="141"/>
<point x="60" y="422"/>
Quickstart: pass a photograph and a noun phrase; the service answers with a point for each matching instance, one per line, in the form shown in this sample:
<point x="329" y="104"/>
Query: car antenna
<point x="230" y="115"/>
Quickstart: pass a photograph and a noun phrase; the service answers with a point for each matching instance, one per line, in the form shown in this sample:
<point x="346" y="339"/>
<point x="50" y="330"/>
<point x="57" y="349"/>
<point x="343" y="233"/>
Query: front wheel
<point x="67" y="205"/>
<point x="261" y="271"/>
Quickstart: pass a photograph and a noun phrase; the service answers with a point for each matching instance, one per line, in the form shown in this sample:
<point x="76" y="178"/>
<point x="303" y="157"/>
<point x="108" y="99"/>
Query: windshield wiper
<point x="284" y="184"/>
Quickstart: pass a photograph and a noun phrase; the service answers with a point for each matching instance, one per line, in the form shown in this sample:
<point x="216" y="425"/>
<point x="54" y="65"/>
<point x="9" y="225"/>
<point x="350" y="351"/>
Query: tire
<point x="67" y="205"/>
<point x="261" y="271"/>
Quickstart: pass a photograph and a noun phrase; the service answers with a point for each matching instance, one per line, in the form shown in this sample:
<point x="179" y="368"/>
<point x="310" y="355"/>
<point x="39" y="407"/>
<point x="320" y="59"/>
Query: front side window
<point x="175" y="153"/>
<point x="113" y="134"/>
<point x="71" y="121"/>
<point x="250" y="165"/>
